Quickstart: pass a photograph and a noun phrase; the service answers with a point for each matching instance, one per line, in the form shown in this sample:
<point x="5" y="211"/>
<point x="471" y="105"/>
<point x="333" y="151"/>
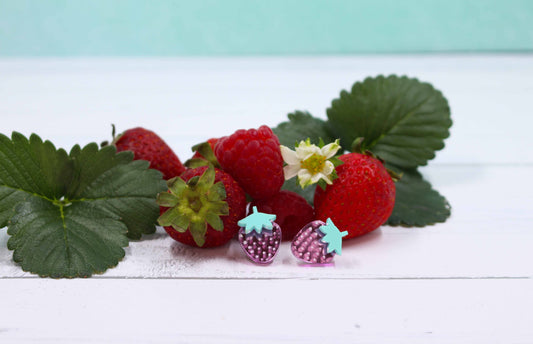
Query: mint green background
<point x="267" y="27"/>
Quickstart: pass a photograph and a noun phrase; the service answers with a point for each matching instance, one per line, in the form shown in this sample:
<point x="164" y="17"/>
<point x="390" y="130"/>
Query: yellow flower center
<point x="314" y="164"/>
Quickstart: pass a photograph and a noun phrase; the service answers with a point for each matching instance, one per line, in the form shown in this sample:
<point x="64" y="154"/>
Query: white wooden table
<point x="468" y="280"/>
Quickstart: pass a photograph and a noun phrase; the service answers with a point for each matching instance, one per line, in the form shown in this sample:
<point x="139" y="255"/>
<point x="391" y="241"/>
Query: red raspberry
<point x="253" y="158"/>
<point x="292" y="211"/>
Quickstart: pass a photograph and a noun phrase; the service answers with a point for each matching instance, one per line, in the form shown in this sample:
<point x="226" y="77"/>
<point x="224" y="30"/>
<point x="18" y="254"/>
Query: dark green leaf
<point x="118" y="186"/>
<point x="69" y="215"/>
<point x="30" y="168"/>
<point x="91" y="163"/>
<point x="308" y="193"/>
<point x="302" y="125"/>
<point x="402" y="120"/>
<point x="417" y="204"/>
<point x="57" y="240"/>
<point x="9" y="199"/>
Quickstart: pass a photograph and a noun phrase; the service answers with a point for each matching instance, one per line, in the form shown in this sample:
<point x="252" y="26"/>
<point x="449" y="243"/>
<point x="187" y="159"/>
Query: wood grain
<point x="468" y="280"/>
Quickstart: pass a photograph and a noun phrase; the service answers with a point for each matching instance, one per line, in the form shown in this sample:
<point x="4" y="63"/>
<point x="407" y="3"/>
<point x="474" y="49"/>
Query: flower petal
<point x="328" y="168"/>
<point x="328" y="181"/>
<point x="330" y="149"/>
<point x="290" y="171"/>
<point x="304" y="150"/>
<point x="316" y="177"/>
<point x="304" y="177"/>
<point x="289" y="156"/>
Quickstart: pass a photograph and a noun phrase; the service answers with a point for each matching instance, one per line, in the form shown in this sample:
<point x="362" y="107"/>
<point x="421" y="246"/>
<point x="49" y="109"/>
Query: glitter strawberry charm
<point x="318" y="242"/>
<point x="259" y="236"/>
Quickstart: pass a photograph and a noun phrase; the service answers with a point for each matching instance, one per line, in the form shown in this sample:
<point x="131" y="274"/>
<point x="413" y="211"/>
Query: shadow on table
<point x="228" y="252"/>
<point x="366" y="239"/>
<point x="232" y="252"/>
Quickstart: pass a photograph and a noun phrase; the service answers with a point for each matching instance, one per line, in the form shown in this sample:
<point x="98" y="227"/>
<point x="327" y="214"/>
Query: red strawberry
<point x="202" y="207"/>
<point x="292" y="211"/>
<point x="253" y="158"/>
<point x="147" y="145"/>
<point x="360" y="199"/>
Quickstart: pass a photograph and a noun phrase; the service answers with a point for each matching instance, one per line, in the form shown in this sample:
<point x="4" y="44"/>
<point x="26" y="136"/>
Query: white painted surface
<point x="266" y="311"/>
<point x="488" y="235"/>
<point x="189" y="100"/>
<point x="468" y="280"/>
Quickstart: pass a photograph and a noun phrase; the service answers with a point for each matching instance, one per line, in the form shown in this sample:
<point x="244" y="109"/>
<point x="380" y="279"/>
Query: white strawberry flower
<point x="309" y="162"/>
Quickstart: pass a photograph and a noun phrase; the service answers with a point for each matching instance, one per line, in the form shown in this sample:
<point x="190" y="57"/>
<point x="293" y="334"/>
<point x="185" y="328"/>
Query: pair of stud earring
<point x="316" y="243"/>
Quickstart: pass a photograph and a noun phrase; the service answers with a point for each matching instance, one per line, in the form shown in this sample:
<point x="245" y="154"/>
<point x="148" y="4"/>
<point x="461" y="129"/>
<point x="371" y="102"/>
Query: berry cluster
<point x="205" y="201"/>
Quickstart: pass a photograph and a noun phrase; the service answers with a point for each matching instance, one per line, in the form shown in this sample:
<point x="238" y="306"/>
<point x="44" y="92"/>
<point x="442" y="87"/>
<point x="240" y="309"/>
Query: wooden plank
<point x="468" y="280"/>
<point x="275" y="311"/>
<point x="488" y="236"/>
<point x="73" y="101"/>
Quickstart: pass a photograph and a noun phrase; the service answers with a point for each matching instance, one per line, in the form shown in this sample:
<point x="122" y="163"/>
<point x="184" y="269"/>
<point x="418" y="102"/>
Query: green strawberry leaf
<point x="70" y="215"/>
<point x="9" y="198"/>
<point x="117" y="185"/>
<point x="30" y="168"/>
<point x="308" y="193"/>
<point x="402" y="120"/>
<point x="302" y="125"/>
<point x="65" y="240"/>
<point x="417" y="203"/>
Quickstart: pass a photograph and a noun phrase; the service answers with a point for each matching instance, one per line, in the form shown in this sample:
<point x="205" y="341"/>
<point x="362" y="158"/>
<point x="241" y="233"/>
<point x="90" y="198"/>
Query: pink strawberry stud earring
<point x="259" y="236"/>
<point x="318" y="242"/>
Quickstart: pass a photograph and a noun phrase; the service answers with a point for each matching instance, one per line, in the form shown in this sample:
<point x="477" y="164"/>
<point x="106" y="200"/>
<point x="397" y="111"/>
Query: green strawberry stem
<point x="357" y="147"/>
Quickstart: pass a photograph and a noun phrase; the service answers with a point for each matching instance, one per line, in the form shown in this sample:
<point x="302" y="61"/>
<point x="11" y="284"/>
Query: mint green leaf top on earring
<point x="257" y="221"/>
<point x="332" y="236"/>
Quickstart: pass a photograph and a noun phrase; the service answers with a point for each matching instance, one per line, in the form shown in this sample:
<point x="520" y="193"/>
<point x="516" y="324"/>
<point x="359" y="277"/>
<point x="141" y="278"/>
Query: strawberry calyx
<point x="194" y="205"/>
<point x="207" y="156"/>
